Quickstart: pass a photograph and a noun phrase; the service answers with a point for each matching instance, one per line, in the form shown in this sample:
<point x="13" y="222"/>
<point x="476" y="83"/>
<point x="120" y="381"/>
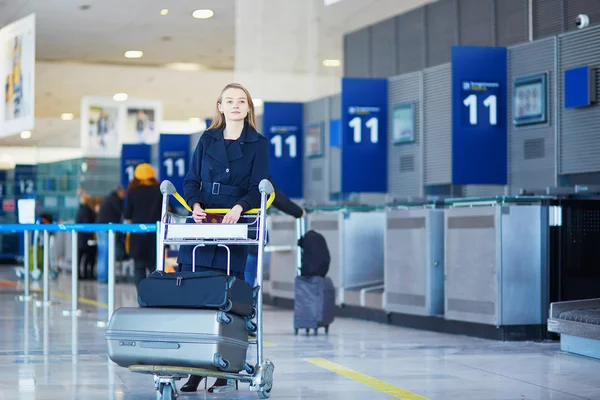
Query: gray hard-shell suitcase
<point x="207" y="339"/>
<point x="314" y="303"/>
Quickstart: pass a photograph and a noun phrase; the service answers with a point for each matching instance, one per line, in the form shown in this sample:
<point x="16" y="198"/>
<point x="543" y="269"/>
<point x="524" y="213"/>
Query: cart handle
<point x="171" y="190"/>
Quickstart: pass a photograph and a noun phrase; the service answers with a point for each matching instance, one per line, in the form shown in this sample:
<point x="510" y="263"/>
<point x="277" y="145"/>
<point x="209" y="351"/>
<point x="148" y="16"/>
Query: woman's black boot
<point x="192" y="384"/>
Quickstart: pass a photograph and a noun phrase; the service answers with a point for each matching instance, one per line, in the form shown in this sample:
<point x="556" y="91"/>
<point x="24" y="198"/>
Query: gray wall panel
<point x="579" y="139"/>
<point x="483" y="190"/>
<point x="411" y="50"/>
<point x="404" y="161"/>
<point x="532" y="157"/>
<point x="316" y="177"/>
<point x="383" y="49"/>
<point x="437" y="126"/>
<point x="573" y="8"/>
<point x="548" y="18"/>
<point x="442" y="31"/>
<point x="476" y="22"/>
<point x="357" y="54"/>
<point x="512" y="22"/>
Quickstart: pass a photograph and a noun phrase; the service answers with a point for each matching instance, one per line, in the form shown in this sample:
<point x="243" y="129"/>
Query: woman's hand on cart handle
<point x="233" y="215"/>
<point x="198" y="213"/>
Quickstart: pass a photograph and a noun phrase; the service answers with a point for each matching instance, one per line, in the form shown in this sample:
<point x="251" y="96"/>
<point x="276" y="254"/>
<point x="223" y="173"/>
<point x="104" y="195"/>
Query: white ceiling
<point x="108" y="28"/>
<point x="80" y="52"/>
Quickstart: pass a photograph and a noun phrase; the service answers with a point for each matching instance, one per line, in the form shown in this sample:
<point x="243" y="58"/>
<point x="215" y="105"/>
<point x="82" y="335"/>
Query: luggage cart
<point x="173" y="230"/>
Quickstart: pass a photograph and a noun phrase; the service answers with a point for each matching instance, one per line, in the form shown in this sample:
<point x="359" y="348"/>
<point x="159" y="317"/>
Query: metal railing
<point x="46" y="229"/>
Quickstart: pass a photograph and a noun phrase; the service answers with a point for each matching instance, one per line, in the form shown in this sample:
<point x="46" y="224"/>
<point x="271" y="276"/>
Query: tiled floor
<point x="47" y="355"/>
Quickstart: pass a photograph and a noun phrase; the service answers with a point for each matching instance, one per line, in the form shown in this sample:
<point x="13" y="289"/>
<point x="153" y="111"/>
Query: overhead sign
<point x="174" y="159"/>
<point x="131" y="156"/>
<point x="283" y="126"/>
<point x="364" y="135"/>
<point x="25" y="177"/>
<point x="479" y="115"/>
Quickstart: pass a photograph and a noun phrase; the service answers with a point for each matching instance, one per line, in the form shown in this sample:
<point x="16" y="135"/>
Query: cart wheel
<point x="296" y="332"/>
<point x="327" y="330"/>
<point x="264" y="393"/>
<point x="166" y="391"/>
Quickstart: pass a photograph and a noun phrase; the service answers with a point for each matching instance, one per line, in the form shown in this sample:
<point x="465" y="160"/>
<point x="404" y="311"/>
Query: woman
<point x="144" y="206"/>
<point x="230" y="160"/>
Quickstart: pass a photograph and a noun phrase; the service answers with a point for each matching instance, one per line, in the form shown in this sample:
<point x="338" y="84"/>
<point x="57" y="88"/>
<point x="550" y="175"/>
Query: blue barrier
<point x="133" y="228"/>
<point x="74" y="229"/>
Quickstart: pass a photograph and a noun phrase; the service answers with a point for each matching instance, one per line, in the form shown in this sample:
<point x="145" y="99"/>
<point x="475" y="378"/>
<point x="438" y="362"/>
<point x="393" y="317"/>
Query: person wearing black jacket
<point x="111" y="210"/>
<point x="282" y="203"/>
<point x="144" y="206"/>
<point x="87" y="253"/>
<point x="229" y="162"/>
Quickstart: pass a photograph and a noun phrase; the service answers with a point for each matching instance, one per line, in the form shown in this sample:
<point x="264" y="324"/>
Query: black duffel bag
<point x="205" y="290"/>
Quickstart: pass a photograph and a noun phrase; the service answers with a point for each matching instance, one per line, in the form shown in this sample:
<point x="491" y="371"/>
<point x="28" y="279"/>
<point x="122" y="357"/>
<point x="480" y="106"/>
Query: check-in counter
<point x="355" y="237"/>
<point x="282" y="253"/>
<point x="414" y="261"/>
<point x="496" y="262"/>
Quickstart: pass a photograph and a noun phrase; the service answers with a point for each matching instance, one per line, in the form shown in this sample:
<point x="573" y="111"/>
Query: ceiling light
<point x="194" y="120"/>
<point x="164" y="11"/>
<point x="203" y="14"/>
<point x="257" y="102"/>
<point x="25" y="134"/>
<point x="66" y="116"/>
<point x="331" y="63"/>
<point x="184" y="66"/>
<point x="120" y="97"/>
<point x="134" y="54"/>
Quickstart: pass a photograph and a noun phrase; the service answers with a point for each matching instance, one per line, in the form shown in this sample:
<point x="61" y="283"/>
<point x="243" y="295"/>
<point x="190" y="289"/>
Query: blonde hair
<point x="219" y="120"/>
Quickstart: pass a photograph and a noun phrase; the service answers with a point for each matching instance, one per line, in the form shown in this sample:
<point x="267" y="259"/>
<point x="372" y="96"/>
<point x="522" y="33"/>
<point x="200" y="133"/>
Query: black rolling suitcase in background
<point x="314" y="293"/>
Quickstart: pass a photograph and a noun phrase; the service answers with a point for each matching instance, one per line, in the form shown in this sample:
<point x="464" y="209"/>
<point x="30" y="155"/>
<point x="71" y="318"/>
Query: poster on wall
<point x="141" y="125"/>
<point x="107" y="124"/>
<point x="100" y="122"/>
<point x="17" y="76"/>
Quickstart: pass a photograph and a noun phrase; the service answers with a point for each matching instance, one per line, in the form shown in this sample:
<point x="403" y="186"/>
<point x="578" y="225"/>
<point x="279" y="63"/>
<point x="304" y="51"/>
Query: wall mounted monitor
<point x="313" y="140"/>
<point x="530" y="102"/>
<point x="403" y="123"/>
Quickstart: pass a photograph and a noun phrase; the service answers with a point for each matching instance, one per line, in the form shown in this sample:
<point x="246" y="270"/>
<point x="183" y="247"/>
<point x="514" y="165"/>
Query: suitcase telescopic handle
<point x="167" y="187"/>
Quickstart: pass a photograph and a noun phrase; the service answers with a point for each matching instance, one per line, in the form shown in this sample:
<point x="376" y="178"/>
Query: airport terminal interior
<point x="300" y="199"/>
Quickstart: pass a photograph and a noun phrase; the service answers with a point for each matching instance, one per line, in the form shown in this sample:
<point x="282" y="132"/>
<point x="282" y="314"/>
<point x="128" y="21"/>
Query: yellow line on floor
<point x="87" y="301"/>
<point x="380" y="385"/>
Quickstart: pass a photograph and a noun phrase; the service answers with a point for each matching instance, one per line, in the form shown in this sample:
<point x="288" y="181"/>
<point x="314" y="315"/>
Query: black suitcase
<point x="201" y="290"/>
<point x="314" y="303"/>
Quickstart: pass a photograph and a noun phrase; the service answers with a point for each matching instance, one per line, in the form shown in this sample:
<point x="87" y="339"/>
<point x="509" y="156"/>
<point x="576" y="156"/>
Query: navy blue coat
<point x="222" y="176"/>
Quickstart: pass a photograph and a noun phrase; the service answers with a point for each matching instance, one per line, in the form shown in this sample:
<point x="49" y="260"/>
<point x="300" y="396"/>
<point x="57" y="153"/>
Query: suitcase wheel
<point x="251" y="326"/>
<point x="248" y="368"/>
<point x="224" y="318"/>
<point x="227" y="307"/>
<point x="220" y="362"/>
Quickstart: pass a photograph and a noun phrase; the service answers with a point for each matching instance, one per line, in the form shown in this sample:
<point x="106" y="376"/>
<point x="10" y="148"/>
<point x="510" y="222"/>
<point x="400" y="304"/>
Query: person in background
<point x="230" y="160"/>
<point x="87" y="253"/>
<point x="111" y="211"/>
<point x="144" y="206"/>
<point x="284" y="204"/>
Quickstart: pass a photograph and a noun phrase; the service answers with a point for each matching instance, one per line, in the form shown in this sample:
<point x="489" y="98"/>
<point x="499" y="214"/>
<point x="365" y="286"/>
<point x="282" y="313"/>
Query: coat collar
<point x="223" y="154"/>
